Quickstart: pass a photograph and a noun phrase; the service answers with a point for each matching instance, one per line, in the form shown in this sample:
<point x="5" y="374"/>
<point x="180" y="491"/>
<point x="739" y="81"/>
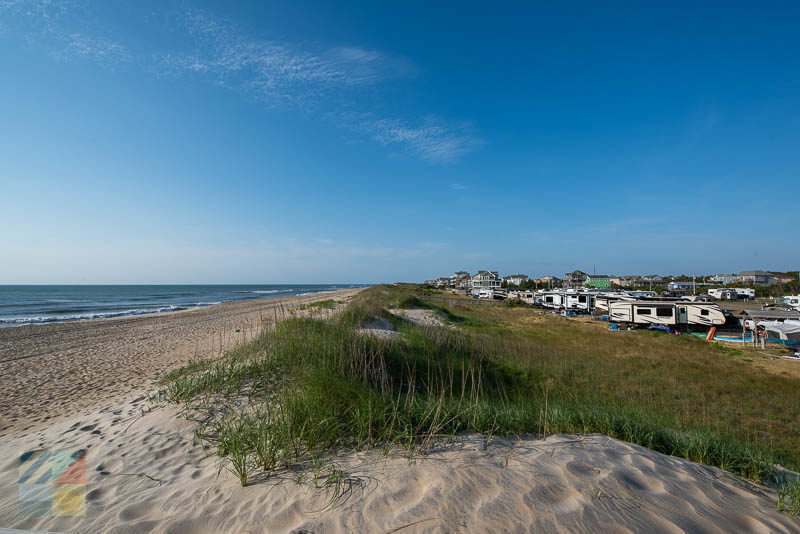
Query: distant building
<point x="549" y="281"/>
<point x="486" y="280"/>
<point x="575" y="279"/>
<point x="756" y="278"/>
<point x="785" y="279"/>
<point x="599" y="281"/>
<point x="724" y="279"/>
<point x="630" y="281"/>
<point x="515" y="279"/>
<point x="461" y="280"/>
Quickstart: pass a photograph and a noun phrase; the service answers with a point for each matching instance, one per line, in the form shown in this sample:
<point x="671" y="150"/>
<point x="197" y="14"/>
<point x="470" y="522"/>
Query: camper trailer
<point x="603" y="300"/>
<point x="789" y="301"/>
<point x="666" y="313"/>
<point x="576" y="301"/>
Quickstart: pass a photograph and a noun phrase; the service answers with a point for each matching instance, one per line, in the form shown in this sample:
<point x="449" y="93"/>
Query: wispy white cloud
<point x="278" y="73"/>
<point x="340" y="83"/>
<point x="78" y="46"/>
<point x="459" y="187"/>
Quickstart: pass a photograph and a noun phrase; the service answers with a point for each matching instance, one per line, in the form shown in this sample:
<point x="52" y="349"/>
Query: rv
<point x="603" y="300"/>
<point x="577" y="301"/>
<point x="666" y="313"/>
<point x="789" y="301"/>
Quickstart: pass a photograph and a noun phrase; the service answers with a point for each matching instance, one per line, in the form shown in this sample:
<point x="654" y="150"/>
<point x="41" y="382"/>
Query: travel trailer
<point x="724" y="294"/>
<point x="732" y="293"/>
<point x="604" y="299"/>
<point x="577" y="301"/>
<point x="789" y="301"/>
<point x="745" y="292"/>
<point x="666" y="313"/>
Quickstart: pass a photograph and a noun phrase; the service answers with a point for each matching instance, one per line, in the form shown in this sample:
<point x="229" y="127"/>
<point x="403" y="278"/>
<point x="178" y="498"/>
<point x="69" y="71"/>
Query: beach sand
<point x="146" y="473"/>
<point x="51" y="371"/>
<point x="84" y="386"/>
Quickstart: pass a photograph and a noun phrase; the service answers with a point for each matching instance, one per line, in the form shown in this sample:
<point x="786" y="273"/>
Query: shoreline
<point x="177" y="308"/>
<point x="51" y="371"/>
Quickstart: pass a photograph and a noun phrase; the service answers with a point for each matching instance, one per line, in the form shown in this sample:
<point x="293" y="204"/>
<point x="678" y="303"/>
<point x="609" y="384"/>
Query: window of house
<point x="643" y="311"/>
<point x="664" y="312"/>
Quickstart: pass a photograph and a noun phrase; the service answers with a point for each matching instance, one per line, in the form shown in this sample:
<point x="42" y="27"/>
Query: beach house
<point x="756" y="278"/>
<point x="549" y="281"/>
<point x="486" y="280"/>
<point x="599" y="281"/>
<point x="515" y="279"/>
<point x="575" y="279"/>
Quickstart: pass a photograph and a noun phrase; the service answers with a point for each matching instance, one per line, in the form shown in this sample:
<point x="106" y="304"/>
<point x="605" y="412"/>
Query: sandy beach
<point x="52" y="371"/>
<point x="146" y="473"/>
<point x="83" y="386"/>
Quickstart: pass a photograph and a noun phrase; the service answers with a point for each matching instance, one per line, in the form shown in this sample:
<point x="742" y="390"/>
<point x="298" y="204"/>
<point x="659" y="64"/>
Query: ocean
<point x="21" y="305"/>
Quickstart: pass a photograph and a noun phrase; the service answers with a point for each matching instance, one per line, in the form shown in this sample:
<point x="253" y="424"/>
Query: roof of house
<point x="516" y="276"/>
<point x="755" y="273"/>
<point x="598" y="276"/>
<point x="486" y="272"/>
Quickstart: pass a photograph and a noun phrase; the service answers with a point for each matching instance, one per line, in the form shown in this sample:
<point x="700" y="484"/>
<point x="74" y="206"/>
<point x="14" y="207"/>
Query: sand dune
<point x="55" y="370"/>
<point x="146" y="474"/>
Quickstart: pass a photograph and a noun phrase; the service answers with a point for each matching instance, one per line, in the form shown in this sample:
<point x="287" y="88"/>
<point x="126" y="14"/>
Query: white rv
<point x="579" y="301"/>
<point x="745" y="292"/>
<point x="603" y="300"/>
<point x="667" y="313"/>
<point x="790" y="301"/>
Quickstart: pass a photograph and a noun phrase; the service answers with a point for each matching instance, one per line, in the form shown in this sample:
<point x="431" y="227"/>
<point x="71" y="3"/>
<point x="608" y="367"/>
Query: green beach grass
<point x="309" y="387"/>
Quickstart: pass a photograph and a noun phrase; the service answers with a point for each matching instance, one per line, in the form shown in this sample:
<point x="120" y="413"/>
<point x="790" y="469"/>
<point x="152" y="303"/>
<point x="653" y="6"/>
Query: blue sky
<point x="270" y="142"/>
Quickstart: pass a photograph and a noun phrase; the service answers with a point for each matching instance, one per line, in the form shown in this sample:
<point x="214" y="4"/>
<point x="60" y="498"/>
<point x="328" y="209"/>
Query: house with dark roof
<point x="756" y="278"/>
<point x="575" y="279"/>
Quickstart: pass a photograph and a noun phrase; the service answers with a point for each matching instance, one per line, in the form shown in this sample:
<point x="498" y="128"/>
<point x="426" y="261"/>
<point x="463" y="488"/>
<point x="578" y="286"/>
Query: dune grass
<point x="309" y="387"/>
<point x="789" y="497"/>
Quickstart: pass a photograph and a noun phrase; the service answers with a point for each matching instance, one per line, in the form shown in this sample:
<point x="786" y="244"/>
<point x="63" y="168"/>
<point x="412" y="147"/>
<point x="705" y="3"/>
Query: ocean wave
<point x="19" y="321"/>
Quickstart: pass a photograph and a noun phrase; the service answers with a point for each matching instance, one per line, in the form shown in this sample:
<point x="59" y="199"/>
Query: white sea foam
<point x="21" y="321"/>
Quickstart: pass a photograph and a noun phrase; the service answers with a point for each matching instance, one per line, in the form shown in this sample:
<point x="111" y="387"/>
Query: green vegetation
<point x="789" y="497"/>
<point x="515" y="303"/>
<point x="310" y="386"/>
